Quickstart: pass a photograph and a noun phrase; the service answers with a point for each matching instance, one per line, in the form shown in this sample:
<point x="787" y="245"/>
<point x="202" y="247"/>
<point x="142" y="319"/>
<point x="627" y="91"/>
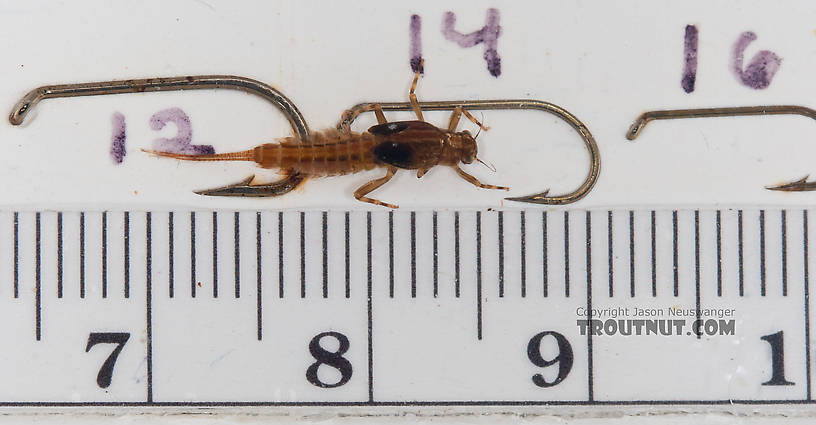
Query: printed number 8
<point x="334" y="359"/>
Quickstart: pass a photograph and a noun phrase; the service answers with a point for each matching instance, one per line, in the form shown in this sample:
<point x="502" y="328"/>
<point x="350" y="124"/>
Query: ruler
<point x="388" y="309"/>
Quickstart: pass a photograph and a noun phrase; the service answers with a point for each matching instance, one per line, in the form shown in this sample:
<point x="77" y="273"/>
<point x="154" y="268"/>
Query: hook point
<point x="538" y="198"/>
<point x="801" y="185"/>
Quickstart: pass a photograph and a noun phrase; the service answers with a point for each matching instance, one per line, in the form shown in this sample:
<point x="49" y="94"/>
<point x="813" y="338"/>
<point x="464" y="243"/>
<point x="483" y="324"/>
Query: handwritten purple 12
<point x="118" y="138"/>
<point x="182" y="142"/>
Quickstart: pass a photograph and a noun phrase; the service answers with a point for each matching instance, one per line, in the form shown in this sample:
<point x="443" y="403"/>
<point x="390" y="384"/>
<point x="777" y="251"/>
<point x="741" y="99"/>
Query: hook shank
<point x="537" y="198"/>
<point x="735" y="111"/>
<point x="194" y="82"/>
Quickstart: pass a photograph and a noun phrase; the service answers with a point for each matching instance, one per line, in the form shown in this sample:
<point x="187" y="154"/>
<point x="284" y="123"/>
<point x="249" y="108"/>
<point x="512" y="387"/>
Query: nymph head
<point x="467" y="147"/>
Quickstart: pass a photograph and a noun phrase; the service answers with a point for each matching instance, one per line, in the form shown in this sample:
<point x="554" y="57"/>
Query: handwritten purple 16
<point x="757" y="75"/>
<point x="762" y="68"/>
<point x="690" y="53"/>
<point x="182" y="142"/>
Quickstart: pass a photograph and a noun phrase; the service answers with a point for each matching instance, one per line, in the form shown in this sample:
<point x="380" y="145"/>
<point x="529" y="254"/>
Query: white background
<point x="606" y="62"/>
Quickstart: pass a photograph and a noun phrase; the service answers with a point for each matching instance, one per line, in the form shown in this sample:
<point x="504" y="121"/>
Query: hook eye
<point x="537" y="198"/>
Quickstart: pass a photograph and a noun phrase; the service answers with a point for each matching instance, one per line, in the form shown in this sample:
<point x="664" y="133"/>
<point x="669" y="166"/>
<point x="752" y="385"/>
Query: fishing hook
<point x="194" y="82"/>
<point x="537" y="198"/>
<point x="800" y="185"/>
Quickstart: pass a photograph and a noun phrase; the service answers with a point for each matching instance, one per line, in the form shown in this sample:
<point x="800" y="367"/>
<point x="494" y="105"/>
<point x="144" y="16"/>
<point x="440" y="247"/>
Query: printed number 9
<point x="563" y="359"/>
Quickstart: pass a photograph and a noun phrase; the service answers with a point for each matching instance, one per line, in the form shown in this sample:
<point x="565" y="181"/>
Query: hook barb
<point x="534" y="198"/>
<point x="511" y="104"/>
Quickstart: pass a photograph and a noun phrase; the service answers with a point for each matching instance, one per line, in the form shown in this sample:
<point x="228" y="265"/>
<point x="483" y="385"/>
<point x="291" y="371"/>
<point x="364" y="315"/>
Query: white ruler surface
<point x="406" y="308"/>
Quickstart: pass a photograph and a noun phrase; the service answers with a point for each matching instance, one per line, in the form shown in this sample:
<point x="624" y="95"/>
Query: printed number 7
<point x="103" y="379"/>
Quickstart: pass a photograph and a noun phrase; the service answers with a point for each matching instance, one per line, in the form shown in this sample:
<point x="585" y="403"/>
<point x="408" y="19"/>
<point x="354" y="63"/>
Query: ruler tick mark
<point x="81" y="255"/>
<point x="762" y="253"/>
<point x="215" y="254"/>
<point x="16" y="231"/>
<point x="719" y="252"/>
<point x="806" y="280"/>
<point x="280" y="254"/>
<point x="347" y="254"/>
<point x="104" y="254"/>
<point x="259" y="274"/>
<point x="697" y="298"/>
<point x="170" y="256"/>
<point x="784" y="239"/>
<point x="479" y="275"/>
<point x="631" y="253"/>
<point x="590" y="377"/>
<point x="675" y="255"/>
<point x="545" y="257"/>
<point x="654" y="254"/>
<point x="500" y="219"/>
<point x="302" y="254"/>
<point x="523" y="254"/>
<point x="457" y="268"/>
<point x="236" y="229"/>
<point x="192" y="254"/>
<point x="149" y="302"/>
<point x="566" y="255"/>
<point x="413" y="254"/>
<point x="740" y="254"/>
<point x="59" y="254"/>
<point x="369" y="293"/>
<point x="37" y="278"/>
<point x="435" y="235"/>
<point x="325" y="254"/>
<point x="391" y="254"/>
<point x="127" y="253"/>
<point x="611" y="256"/>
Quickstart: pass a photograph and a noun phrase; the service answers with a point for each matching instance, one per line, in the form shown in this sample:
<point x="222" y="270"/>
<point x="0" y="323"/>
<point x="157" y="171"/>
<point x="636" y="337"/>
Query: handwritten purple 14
<point x="415" y="28"/>
<point x="757" y="75"/>
<point x="487" y="35"/>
